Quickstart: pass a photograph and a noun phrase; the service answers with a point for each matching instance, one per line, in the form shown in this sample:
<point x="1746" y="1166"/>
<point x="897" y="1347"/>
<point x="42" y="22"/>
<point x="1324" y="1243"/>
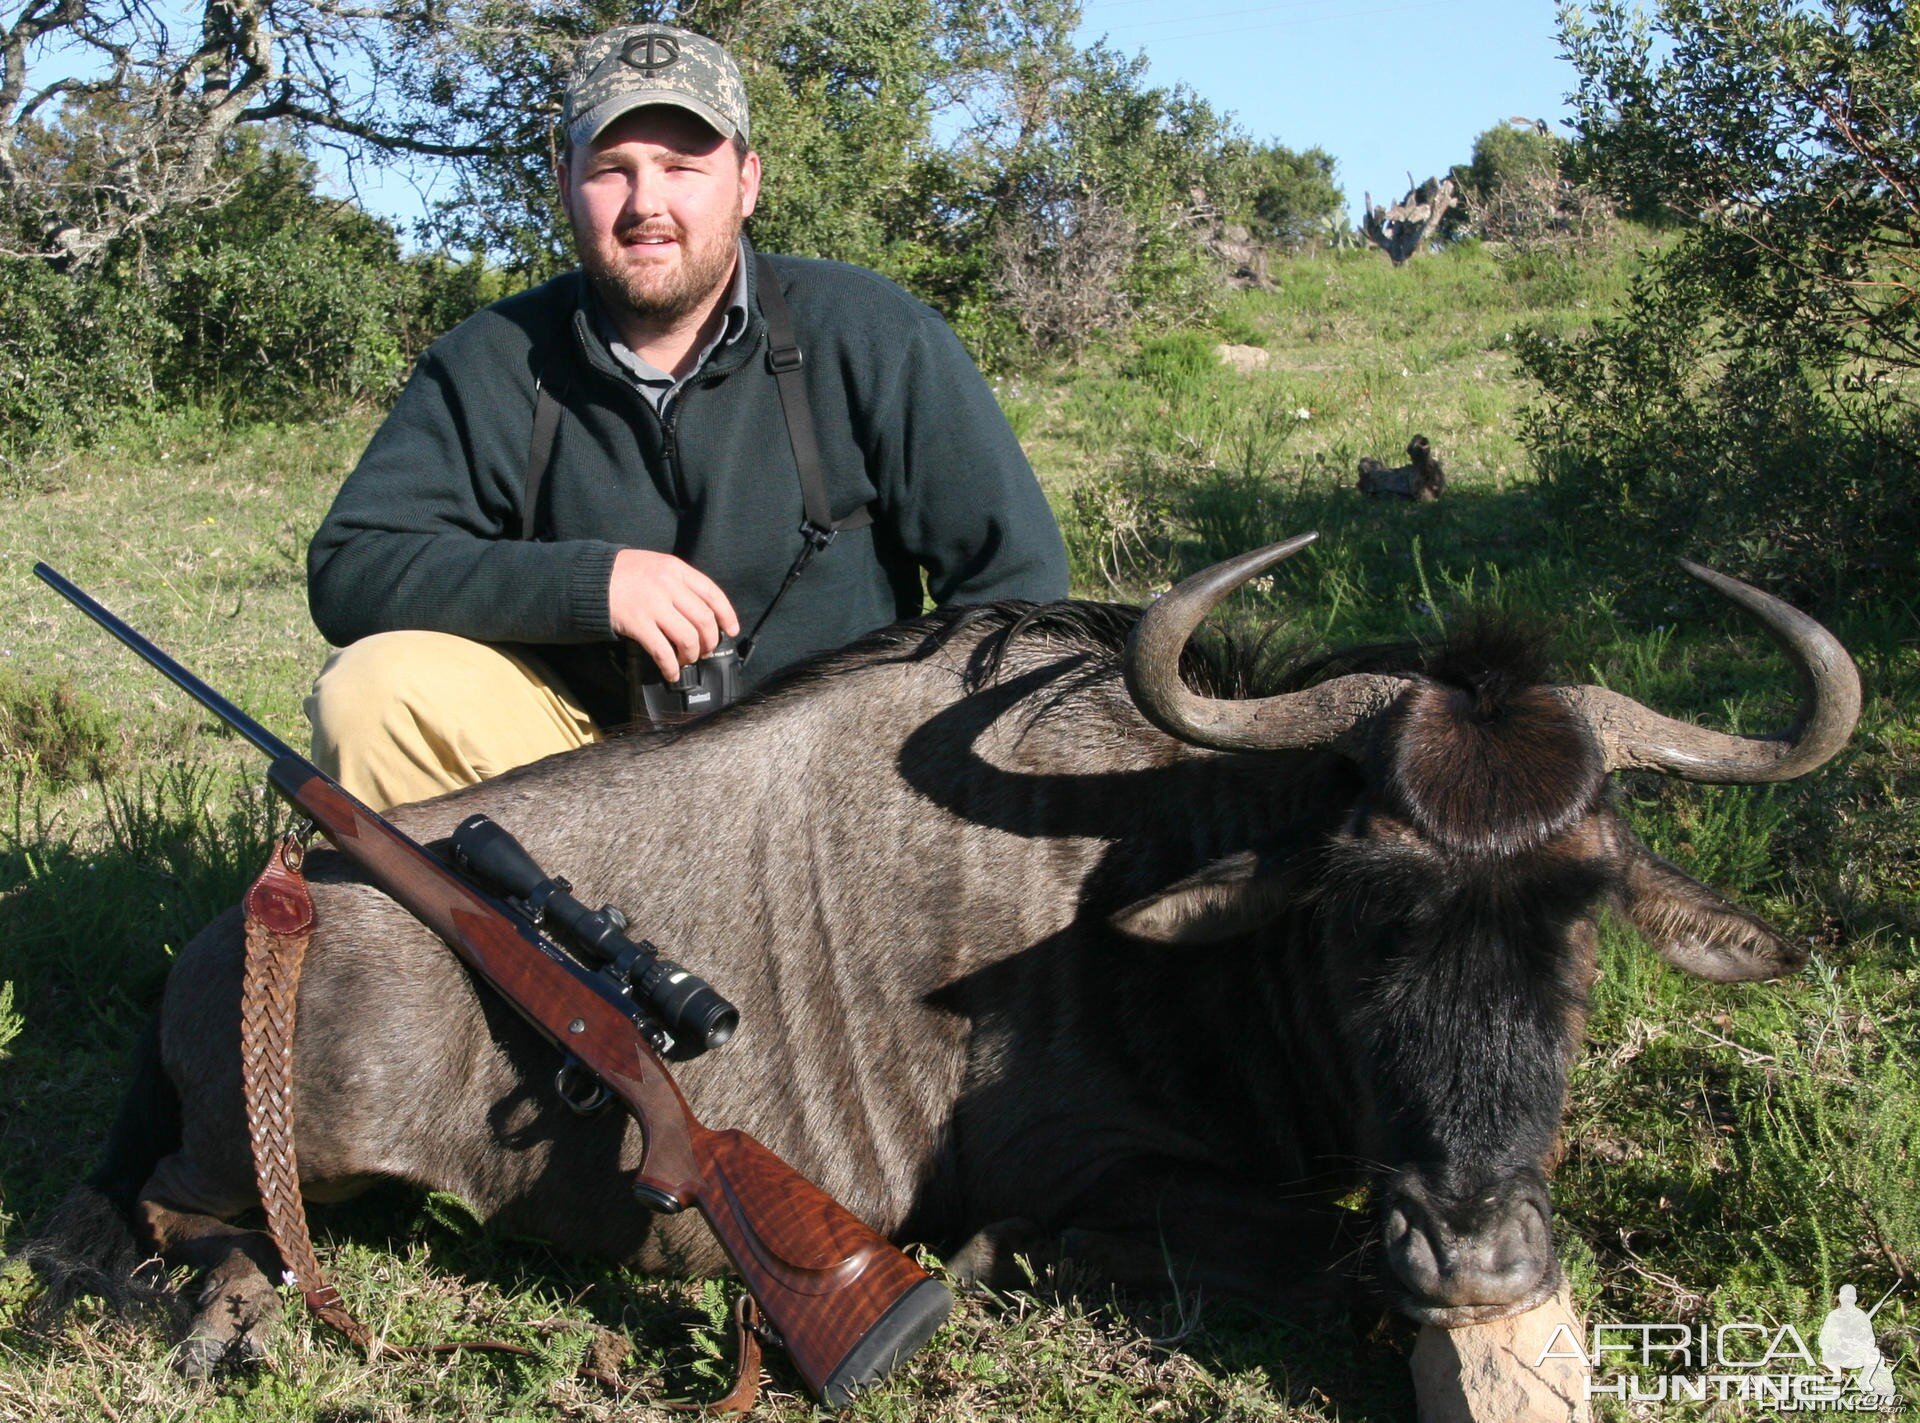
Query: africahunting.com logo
<point x="1844" y="1371"/>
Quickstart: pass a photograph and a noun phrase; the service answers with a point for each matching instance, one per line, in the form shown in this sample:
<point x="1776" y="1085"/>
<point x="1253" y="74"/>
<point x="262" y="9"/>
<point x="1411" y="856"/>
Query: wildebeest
<point x="1036" y="933"/>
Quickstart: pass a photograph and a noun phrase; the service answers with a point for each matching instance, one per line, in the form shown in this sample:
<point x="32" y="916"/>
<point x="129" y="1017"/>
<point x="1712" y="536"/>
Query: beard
<point x="653" y="291"/>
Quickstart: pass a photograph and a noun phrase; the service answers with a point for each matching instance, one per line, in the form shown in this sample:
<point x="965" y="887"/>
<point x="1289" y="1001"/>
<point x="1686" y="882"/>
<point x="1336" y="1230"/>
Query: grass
<point x="1732" y="1153"/>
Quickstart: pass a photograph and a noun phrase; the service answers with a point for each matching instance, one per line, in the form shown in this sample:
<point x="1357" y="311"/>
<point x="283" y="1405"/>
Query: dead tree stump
<point x="1403" y="230"/>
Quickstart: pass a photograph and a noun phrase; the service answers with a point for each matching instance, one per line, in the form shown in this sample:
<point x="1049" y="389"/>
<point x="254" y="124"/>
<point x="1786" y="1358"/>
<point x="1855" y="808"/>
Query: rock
<point x="1486" y="1373"/>
<point x="1244" y="359"/>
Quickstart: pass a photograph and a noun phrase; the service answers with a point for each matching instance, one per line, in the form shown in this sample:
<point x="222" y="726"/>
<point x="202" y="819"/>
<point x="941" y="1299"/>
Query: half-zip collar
<point x="657" y="387"/>
<point x="728" y="357"/>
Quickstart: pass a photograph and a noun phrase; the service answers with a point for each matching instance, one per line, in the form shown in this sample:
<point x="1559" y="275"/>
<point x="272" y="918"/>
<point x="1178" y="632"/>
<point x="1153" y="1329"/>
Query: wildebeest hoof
<point x="206" y="1356"/>
<point x="988" y="1257"/>
<point x="238" y="1312"/>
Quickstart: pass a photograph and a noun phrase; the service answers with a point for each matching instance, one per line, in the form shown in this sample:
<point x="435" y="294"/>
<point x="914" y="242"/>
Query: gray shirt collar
<point x="656" y="386"/>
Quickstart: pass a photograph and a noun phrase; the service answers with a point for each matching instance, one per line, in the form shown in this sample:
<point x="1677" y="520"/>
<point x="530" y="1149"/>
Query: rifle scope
<point x="694" y="1015"/>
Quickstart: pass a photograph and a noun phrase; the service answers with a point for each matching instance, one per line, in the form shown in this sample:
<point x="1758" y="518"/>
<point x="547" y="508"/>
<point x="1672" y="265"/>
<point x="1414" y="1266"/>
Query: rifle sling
<point x="279" y="923"/>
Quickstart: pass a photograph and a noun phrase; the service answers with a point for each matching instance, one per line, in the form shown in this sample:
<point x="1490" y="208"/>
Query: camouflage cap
<point x="636" y="65"/>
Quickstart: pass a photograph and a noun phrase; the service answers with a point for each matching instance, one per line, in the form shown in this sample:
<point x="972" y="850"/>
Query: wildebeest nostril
<point x="1397" y="1225"/>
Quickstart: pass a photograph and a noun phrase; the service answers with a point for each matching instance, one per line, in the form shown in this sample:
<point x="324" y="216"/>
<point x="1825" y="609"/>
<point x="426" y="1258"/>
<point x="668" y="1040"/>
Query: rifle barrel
<point x="265" y="740"/>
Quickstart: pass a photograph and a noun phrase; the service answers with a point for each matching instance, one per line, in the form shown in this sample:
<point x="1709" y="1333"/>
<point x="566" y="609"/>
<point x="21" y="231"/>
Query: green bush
<point x="1752" y="400"/>
<point x="1662" y="427"/>
<point x="277" y="303"/>
<point x="1509" y="154"/>
<point x="74" y="354"/>
<point x="1292" y="197"/>
<point x="55" y="729"/>
<point x="290" y="324"/>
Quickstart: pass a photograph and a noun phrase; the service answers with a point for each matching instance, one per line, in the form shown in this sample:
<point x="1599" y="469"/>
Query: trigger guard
<point x="583" y="1093"/>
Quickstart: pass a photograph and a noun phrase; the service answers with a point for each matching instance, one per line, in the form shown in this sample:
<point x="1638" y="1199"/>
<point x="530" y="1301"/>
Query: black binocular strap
<point x="546" y="426"/>
<point x="784" y="360"/>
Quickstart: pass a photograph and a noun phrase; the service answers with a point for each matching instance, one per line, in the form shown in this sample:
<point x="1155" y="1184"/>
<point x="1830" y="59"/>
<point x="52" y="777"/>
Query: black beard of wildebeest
<point x="1048" y="929"/>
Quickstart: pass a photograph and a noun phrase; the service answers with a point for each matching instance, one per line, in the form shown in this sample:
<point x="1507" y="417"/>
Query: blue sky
<point x="1385" y="86"/>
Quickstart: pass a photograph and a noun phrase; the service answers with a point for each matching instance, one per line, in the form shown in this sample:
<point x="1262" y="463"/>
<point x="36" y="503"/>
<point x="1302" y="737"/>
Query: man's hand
<point x="674" y="611"/>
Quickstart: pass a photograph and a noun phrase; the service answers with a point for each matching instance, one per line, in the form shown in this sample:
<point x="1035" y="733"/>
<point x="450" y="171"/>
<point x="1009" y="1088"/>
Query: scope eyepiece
<point x="688" y="1007"/>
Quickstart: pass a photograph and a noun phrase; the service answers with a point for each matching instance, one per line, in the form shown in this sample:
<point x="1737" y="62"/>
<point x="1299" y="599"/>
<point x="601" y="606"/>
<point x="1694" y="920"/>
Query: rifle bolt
<point x="578" y="1025"/>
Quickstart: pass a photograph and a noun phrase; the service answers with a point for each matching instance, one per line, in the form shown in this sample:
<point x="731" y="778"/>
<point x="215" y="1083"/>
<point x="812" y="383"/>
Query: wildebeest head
<point x="1457" y="904"/>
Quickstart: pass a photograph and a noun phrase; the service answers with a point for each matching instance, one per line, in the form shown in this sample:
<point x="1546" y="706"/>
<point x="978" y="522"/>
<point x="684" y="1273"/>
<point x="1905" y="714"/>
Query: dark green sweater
<point x="424" y="533"/>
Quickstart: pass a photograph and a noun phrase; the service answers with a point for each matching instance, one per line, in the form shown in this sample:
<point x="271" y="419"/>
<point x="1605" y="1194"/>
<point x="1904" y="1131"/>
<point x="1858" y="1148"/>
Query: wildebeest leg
<point x="1156" y="1228"/>
<point x="1161" y="1227"/>
<point x="235" y="1306"/>
<point x="992" y="1255"/>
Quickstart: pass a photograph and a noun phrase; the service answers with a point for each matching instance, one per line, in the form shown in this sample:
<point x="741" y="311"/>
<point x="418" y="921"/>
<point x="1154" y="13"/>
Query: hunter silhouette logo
<point x="1847" y="1345"/>
<point x="650" y="53"/>
<point x="1742" y="1360"/>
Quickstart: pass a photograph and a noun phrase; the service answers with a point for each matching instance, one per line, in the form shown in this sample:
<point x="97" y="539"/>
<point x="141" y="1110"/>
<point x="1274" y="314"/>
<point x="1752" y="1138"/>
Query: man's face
<point x="656" y="204"/>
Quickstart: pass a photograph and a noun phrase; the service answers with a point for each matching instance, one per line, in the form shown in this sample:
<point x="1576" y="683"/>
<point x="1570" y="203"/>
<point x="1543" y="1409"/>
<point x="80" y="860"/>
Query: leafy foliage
<point x="1511" y="153"/>
<point x="1292" y="196"/>
<point x="277" y="300"/>
<point x="1788" y="137"/>
<point x="1750" y="397"/>
<point x="1667" y="421"/>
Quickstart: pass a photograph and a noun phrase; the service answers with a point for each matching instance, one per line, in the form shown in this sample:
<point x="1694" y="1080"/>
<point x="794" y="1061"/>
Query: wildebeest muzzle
<point x="1463" y="1258"/>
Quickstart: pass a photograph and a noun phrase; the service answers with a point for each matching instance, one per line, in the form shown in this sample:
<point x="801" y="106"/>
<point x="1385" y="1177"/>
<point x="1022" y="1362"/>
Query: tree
<point x="1518" y="151"/>
<point x="1751" y="396"/>
<point x="1091" y="190"/>
<point x="1786" y="137"/>
<point x="100" y="152"/>
<point x="1520" y="190"/>
<point x="1292" y="195"/>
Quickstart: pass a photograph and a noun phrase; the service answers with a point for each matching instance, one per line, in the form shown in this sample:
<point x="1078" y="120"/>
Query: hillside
<point x="1732" y="1153"/>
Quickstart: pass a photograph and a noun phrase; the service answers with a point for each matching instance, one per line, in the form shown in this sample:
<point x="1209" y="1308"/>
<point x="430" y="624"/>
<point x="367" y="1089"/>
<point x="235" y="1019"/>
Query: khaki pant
<point x="401" y="716"/>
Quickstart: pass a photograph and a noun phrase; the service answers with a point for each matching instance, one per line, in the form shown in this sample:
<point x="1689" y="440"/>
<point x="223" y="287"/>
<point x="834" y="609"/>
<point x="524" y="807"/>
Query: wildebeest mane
<point x="1490" y="656"/>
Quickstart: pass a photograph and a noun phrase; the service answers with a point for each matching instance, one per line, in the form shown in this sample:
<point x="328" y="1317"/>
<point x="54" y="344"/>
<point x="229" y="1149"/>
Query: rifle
<point x="845" y="1304"/>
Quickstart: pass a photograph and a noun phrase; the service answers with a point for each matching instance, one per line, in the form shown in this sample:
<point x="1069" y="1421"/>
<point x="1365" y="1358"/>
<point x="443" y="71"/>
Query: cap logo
<point x="650" y="53"/>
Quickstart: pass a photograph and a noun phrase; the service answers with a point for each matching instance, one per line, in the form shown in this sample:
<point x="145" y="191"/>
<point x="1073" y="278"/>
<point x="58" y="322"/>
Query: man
<point x="594" y="481"/>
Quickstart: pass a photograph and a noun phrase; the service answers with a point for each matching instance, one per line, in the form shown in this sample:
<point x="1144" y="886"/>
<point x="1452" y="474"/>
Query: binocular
<point x="704" y="686"/>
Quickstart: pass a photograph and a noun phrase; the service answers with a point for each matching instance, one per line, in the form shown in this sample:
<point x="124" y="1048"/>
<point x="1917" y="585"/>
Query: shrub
<point x="277" y="302"/>
<point x="1293" y="202"/>
<point x="74" y="354"/>
<point x="1754" y="396"/>
<point x="1663" y="427"/>
<point x="1512" y="154"/>
<point x="293" y="324"/>
<point x="56" y="728"/>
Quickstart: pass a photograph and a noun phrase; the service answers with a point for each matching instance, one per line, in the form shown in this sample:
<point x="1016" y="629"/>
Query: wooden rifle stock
<point x="846" y="1304"/>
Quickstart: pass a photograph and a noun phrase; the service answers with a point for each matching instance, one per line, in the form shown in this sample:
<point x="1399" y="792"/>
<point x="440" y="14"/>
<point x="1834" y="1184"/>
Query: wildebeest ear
<point x="1695" y="929"/>
<point x="1228" y="897"/>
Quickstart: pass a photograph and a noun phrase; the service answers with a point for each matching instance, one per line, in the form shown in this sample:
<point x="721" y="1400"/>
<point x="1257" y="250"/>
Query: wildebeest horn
<point x="1633" y="737"/>
<point x="1330" y="714"/>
